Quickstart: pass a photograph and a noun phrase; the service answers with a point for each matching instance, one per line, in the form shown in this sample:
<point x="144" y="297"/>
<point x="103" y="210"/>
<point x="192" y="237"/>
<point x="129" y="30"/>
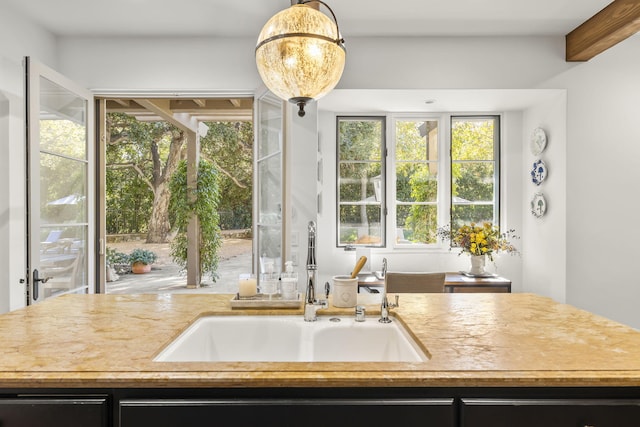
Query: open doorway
<point x="144" y="145"/>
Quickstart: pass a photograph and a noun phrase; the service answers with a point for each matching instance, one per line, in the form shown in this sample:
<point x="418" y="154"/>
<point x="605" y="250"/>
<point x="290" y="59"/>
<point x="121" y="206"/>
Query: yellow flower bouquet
<point x="482" y="239"/>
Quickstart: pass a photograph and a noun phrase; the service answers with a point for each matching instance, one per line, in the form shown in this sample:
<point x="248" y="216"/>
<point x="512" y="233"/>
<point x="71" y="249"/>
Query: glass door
<point x="268" y="183"/>
<point x="60" y="198"/>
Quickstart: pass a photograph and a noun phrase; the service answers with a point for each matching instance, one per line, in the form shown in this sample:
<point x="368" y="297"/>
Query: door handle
<point x="36" y="280"/>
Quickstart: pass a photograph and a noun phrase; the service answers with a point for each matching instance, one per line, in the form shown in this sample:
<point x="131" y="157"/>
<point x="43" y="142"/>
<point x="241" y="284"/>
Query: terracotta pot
<point x="140" y="268"/>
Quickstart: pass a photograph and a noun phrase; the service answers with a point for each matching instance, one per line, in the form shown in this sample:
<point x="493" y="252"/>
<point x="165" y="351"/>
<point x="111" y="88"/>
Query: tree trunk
<point x="159" y="226"/>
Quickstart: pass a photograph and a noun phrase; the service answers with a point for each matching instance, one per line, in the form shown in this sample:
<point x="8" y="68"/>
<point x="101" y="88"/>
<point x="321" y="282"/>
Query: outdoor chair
<point x="63" y="278"/>
<point x="51" y="241"/>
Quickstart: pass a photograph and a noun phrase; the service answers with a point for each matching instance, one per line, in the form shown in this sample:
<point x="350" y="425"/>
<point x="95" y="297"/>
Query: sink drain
<point x="334" y="319"/>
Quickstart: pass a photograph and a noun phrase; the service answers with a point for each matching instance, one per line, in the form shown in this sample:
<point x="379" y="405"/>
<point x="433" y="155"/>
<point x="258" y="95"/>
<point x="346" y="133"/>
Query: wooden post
<point x="101" y="197"/>
<point x="194" y="274"/>
<point x="189" y="125"/>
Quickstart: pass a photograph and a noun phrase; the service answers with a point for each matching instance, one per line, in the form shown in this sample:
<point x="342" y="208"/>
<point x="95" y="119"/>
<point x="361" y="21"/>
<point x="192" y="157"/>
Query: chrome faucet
<point x="311" y="304"/>
<point x="385" y="306"/>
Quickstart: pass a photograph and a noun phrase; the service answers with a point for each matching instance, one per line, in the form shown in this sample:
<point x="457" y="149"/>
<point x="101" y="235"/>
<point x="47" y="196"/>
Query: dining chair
<point x="416" y="282"/>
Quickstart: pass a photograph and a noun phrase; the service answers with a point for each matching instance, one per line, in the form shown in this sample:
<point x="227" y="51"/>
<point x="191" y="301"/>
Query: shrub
<point x="143" y="256"/>
<point x="115" y="257"/>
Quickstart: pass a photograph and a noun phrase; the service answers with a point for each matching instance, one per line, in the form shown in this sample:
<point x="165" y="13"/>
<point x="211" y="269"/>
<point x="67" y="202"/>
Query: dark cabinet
<point x="550" y="413"/>
<point x="322" y="407"/>
<point x="53" y="412"/>
<point x="289" y="412"/>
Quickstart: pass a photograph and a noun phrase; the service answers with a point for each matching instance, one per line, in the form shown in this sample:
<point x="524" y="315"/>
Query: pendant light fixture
<point x="300" y="53"/>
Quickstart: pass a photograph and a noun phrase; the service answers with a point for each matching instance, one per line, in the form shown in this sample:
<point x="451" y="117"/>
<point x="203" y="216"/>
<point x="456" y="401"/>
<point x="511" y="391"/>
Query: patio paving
<point x="166" y="277"/>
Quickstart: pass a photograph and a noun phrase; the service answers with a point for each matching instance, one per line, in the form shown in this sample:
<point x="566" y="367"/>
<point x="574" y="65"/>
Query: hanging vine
<point x="205" y="207"/>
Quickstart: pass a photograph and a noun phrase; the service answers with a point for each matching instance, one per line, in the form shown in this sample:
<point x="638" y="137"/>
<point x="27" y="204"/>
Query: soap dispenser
<point x="289" y="282"/>
<point x="269" y="280"/>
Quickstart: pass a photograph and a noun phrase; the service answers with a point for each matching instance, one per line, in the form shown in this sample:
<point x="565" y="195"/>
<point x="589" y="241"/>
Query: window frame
<point x="445" y="178"/>
<point x="497" y="140"/>
<point x="383" y="119"/>
<point x="444" y="172"/>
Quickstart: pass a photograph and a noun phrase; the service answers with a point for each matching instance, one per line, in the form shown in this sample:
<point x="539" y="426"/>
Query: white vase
<point x="478" y="263"/>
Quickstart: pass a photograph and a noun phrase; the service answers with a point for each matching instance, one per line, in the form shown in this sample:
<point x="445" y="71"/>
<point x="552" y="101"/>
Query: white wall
<point x="302" y="154"/>
<point x="224" y="64"/>
<point x="603" y="175"/>
<point x="20" y="37"/>
<point x="452" y="62"/>
<point x="544" y="263"/>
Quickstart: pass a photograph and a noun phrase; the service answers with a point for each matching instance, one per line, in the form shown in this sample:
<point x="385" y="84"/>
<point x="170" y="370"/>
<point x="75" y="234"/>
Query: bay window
<point x="433" y="176"/>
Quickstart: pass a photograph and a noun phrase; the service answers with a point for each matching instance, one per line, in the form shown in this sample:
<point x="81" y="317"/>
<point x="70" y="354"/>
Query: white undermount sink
<point x="290" y="339"/>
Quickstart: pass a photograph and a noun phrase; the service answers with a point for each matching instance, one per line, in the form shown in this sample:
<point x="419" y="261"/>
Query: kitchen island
<point x="488" y="354"/>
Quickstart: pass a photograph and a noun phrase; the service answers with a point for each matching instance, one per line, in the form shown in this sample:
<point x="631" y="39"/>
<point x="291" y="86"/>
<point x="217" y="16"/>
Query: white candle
<point x="247" y="286"/>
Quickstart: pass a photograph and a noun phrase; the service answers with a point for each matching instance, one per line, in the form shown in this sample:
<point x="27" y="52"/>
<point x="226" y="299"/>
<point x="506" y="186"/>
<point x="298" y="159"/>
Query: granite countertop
<point x="493" y="340"/>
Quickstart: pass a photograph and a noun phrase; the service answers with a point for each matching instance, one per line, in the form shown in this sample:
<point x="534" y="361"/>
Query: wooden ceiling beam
<point x="162" y="108"/>
<point x="616" y="22"/>
<point x="123" y="102"/>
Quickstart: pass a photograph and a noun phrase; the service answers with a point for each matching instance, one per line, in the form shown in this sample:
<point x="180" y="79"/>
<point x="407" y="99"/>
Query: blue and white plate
<point x="538" y="172"/>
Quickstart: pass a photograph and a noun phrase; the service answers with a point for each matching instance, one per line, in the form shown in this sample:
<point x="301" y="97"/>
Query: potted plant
<point x="141" y="260"/>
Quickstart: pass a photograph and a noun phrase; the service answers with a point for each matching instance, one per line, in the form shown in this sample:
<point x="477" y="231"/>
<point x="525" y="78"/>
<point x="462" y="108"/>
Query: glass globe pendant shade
<point x="300" y="55"/>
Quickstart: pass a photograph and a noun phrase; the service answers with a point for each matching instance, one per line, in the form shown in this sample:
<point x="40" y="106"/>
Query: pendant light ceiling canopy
<point x="300" y="53"/>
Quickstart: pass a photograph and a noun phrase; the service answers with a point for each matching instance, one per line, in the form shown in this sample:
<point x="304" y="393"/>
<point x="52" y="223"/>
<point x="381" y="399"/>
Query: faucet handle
<point x="397" y="303"/>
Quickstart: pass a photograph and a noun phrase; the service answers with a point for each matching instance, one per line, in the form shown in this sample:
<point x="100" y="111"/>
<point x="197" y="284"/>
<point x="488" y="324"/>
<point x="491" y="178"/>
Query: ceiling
<point x="151" y="18"/>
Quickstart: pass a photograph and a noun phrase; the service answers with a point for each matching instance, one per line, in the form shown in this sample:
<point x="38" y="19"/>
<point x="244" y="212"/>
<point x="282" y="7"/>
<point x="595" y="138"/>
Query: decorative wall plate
<point x="538" y="141"/>
<point x="538" y="205"/>
<point x="538" y="172"/>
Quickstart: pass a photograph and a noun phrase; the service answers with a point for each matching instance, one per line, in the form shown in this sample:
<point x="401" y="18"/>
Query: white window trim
<point x="497" y="160"/>
<point x="444" y="174"/>
<point x="444" y="171"/>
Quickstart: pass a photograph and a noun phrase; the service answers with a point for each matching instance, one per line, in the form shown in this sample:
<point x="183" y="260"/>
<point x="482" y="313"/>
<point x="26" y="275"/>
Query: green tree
<point x="150" y="152"/>
<point x="61" y="177"/>
<point x="416" y="179"/>
<point x="360" y="167"/>
<point x="472" y="151"/>
<point x="229" y="147"/>
<point x="472" y="148"/>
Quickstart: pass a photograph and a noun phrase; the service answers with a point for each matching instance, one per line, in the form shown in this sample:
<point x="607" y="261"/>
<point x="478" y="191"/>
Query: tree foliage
<point x="417" y="179"/>
<point x="203" y="203"/>
<point x="416" y="174"/>
<point x="229" y="146"/>
<point x="141" y="156"/>
<point x="61" y="141"/>
<point x="360" y="169"/>
<point x="472" y="145"/>
<point x="140" y="159"/>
